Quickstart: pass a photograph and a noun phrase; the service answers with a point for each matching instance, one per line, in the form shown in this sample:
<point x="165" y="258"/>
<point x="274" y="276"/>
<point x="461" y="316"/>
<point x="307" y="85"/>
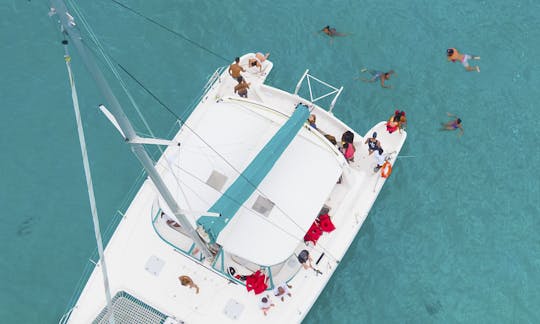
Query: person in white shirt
<point x="379" y="158"/>
<point x="282" y="290"/>
<point x="265" y="304"/>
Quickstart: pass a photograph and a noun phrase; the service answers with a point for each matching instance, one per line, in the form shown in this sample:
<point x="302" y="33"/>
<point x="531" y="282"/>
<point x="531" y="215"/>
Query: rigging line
<point x="148" y="91"/>
<point x="171" y="30"/>
<point x="89" y="183"/>
<point x="166" y="107"/>
<point x="95" y="40"/>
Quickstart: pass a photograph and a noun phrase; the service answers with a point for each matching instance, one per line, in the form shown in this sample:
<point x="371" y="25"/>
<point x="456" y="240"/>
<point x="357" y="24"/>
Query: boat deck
<point x="147" y="266"/>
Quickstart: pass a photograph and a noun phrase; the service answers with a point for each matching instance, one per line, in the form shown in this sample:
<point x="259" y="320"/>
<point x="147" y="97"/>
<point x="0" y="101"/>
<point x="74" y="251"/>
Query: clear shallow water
<point x="452" y="237"/>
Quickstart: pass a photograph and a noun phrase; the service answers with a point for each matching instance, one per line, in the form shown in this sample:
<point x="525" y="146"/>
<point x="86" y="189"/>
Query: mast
<point x="66" y="20"/>
<point x="89" y="185"/>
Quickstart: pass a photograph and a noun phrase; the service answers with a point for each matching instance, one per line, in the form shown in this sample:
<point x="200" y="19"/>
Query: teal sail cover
<point x="256" y="171"/>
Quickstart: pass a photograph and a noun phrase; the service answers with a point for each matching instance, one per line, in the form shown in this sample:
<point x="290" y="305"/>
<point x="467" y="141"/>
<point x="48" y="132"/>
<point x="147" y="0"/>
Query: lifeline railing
<point x="308" y="77"/>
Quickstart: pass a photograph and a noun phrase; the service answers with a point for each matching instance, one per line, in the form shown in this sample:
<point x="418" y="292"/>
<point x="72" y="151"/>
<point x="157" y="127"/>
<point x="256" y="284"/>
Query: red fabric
<point x="391" y="128"/>
<point x="349" y="152"/>
<point x="326" y="224"/>
<point x="256" y="282"/>
<point x="313" y="233"/>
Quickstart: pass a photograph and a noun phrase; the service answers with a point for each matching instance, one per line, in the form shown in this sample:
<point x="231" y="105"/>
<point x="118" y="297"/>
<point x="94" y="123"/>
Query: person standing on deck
<point x="235" y="69"/>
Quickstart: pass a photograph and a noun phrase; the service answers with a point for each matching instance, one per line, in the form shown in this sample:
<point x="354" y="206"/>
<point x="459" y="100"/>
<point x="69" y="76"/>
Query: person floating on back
<point x="378" y="75"/>
<point x="453" y="125"/>
<point x="453" y="55"/>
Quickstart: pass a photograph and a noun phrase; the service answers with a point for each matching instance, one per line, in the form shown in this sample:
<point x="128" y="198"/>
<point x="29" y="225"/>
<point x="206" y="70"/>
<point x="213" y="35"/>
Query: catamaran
<point x="250" y="195"/>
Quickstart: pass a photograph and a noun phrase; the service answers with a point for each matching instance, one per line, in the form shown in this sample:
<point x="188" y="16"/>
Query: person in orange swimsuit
<point x="453" y="55"/>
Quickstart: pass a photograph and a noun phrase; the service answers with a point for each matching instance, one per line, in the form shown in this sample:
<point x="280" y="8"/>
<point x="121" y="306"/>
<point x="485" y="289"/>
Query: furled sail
<point x="244" y="186"/>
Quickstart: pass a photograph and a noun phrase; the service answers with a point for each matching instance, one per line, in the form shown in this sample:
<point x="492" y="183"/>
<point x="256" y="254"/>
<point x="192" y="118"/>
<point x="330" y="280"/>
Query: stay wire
<point x="183" y="122"/>
<point x="192" y="42"/>
<point x="206" y="143"/>
<point x="218" y="154"/>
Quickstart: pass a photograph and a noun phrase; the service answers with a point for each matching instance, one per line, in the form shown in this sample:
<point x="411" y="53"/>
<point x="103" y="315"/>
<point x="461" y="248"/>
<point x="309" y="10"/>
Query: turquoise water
<point x="451" y="239"/>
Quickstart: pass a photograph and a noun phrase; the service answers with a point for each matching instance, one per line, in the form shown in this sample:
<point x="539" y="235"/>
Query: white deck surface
<point x="310" y="184"/>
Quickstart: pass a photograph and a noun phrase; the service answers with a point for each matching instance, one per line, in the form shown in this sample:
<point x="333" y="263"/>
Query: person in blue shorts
<point x="378" y="75"/>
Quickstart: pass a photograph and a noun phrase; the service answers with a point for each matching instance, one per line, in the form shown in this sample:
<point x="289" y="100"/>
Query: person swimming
<point x="378" y="75"/>
<point x="330" y="31"/>
<point x="453" y="124"/>
<point x="454" y="56"/>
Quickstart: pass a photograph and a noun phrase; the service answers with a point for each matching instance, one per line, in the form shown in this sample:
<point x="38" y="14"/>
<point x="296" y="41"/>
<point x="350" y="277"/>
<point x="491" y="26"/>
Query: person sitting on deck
<point x="265" y="304"/>
<point x="241" y="88"/>
<point x="311" y="120"/>
<point x="187" y="281"/>
<point x="305" y="260"/>
<point x="397" y="121"/>
<point x="170" y="221"/>
<point x="282" y="290"/>
<point x="253" y="62"/>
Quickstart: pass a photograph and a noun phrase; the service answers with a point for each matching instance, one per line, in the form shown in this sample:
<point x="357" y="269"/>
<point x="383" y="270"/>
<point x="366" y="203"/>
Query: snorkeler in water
<point x="453" y="125"/>
<point x="378" y="75"/>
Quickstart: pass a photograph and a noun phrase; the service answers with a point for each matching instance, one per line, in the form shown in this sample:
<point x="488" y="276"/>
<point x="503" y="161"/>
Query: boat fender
<point x="386" y="169"/>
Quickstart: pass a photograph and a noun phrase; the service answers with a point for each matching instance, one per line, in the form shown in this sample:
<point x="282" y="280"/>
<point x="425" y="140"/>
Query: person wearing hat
<point x="373" y="143"/>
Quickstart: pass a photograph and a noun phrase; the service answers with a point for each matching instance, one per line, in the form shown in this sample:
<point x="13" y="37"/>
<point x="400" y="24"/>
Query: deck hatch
<point x="233" y="309"/>
<point x="216" y="180"/>
<point x="263" y="206"/>
<point x="154" y="265"/>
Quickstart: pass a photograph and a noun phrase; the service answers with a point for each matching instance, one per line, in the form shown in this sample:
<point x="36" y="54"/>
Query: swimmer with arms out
<point x="378" y="75"/>
<point x="453" y="125"/>
<point x="453" y="55"/>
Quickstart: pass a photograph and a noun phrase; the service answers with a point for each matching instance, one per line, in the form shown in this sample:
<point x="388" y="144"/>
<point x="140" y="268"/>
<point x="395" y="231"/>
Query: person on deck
<point x="312" y="121"/>
<point x="187" y="281"/>
<point x="379" y="159"/>
<point x="242" y="88"/>
<point x="373" y="143"/>
<point x="282" y="290"/>
<point x="265" y="304"/>
<point x="235" y="70"/>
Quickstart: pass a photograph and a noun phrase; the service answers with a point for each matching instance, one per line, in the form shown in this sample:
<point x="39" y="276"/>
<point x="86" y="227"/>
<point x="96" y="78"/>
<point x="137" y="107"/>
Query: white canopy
<point x="297" y="185"/>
